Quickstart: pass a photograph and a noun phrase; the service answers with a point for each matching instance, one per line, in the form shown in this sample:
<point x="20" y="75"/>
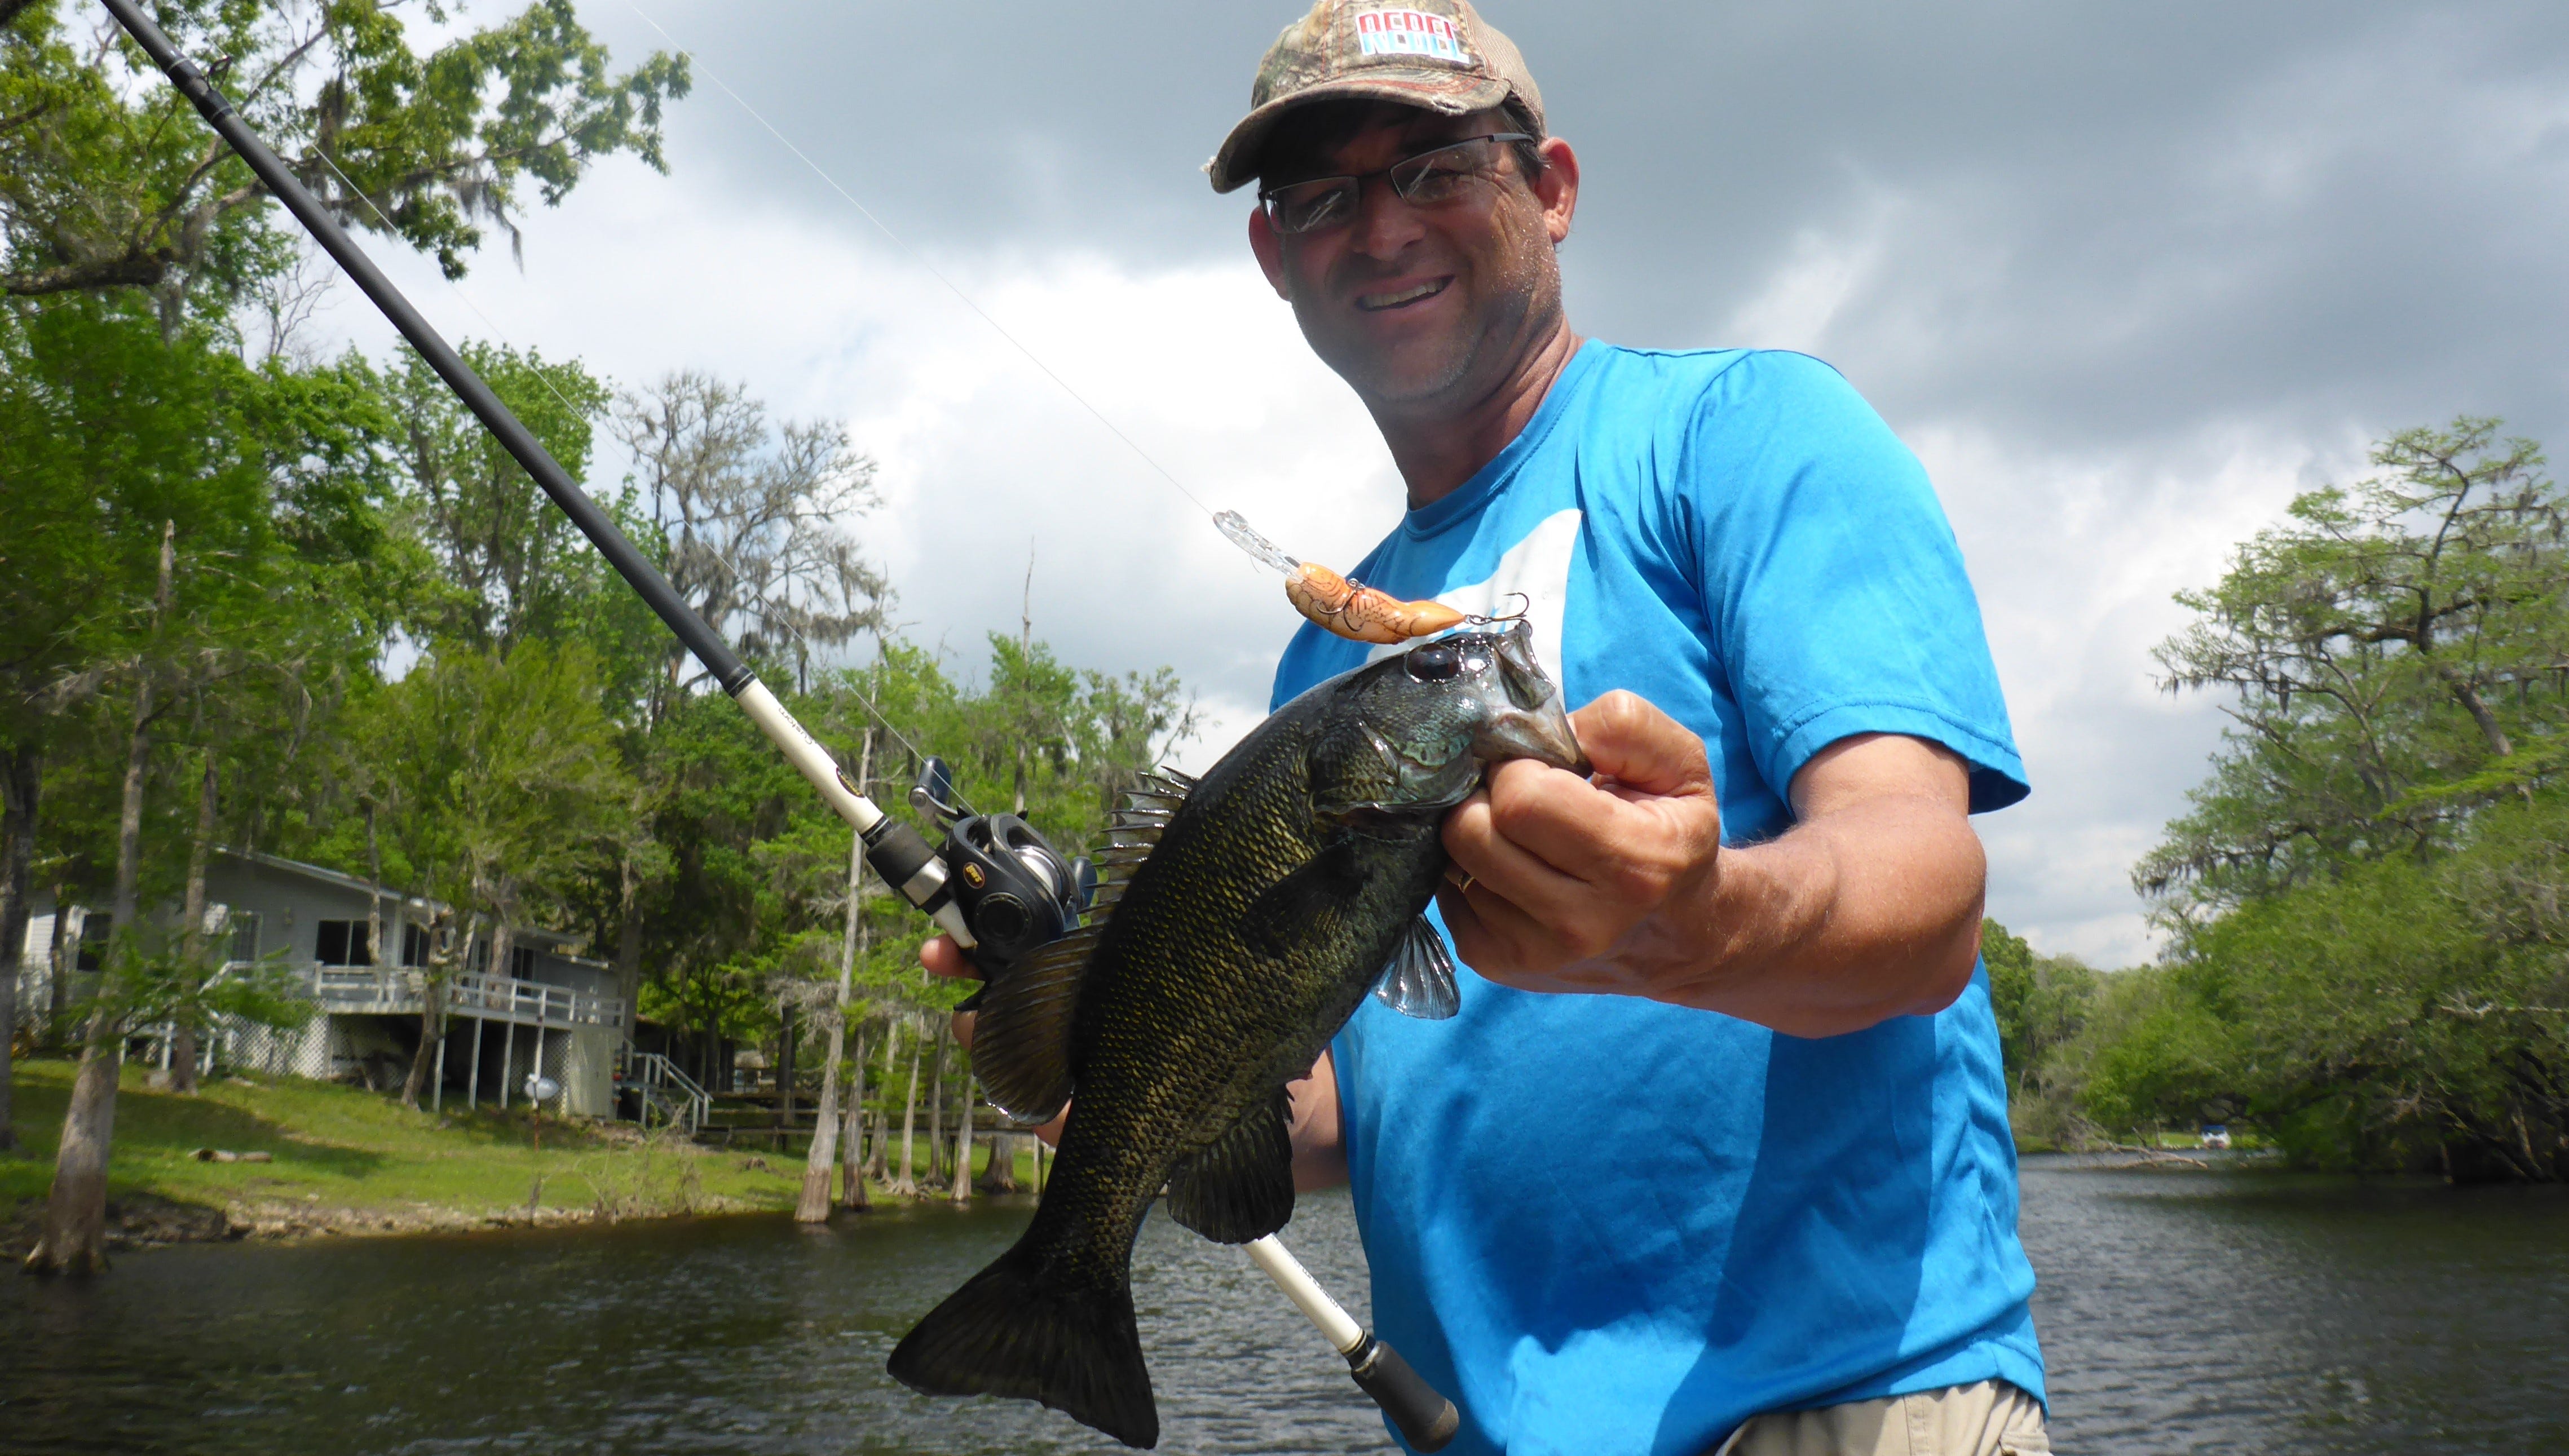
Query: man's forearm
<point x="1864" y="914"/>
<point x="1320" y="1148"/>
<point x="1868" y="908"/>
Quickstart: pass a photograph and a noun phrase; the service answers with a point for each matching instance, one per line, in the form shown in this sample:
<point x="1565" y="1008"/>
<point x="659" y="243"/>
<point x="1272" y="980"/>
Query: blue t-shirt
<point x="1605" y="1224"/>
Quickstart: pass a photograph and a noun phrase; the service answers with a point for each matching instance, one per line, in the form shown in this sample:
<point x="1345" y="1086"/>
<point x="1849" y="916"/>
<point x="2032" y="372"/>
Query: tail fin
<point x="1010" y="1332"/>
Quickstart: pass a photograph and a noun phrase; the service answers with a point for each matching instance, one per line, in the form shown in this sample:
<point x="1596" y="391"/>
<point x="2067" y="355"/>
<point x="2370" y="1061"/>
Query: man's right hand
<point x="1320" y="1157"/>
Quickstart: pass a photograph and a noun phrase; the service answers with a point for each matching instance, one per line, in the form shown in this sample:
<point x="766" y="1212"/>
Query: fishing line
<point x="919" y="257"/>
<point x="729" y="564"/>
<point x="895" y="852"/>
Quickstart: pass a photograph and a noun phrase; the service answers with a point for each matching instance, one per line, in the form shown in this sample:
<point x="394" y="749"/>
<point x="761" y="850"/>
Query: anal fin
<point x="1419" y="981"/>
<point x="1242" y="1185"/>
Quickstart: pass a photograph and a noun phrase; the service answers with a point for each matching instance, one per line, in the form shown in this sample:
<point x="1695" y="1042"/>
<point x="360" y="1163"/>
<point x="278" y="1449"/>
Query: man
<point x="1717" y="1153"/>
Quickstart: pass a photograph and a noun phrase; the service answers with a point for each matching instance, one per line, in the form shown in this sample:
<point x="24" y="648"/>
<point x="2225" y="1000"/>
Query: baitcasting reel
<point x="1014" y="890"/>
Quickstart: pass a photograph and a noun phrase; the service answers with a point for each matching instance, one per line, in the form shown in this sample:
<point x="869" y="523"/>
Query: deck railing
<point x="394" y="990"/>
<point x="662" y="1082"/>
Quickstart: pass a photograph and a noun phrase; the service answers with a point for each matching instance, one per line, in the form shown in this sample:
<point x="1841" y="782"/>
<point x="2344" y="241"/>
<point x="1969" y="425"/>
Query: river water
<point x="2225" y="1310"/>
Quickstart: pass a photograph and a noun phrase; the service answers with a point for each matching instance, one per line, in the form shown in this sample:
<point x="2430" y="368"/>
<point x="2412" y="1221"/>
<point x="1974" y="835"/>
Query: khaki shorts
<point x="1991" y="1418"/>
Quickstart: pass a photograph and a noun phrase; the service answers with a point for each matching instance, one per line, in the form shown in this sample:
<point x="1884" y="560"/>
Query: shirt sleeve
<point x="1834" y="587"/>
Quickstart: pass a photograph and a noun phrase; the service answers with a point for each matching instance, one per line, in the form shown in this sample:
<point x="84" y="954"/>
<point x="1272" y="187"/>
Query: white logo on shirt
<point x="1537" y="568"/>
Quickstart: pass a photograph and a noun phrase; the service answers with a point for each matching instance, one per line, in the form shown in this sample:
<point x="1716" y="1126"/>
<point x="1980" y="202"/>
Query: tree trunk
<point x="963" y="1191"/>
<point x="75" y="1234"/>
<point x="1002" y="1174"/>
<point x="192" y="941"/>
<point x="824" y="1152"/>
<point x="22" y="782"/>
<point x="128" y="829"/>
<point x="851" y="1176"/>
<point x="442" y="956"/>
<point x="937" y="1113"/>
<point x="629" y="942"/>
<point x="787" y="1037"/>
<point x="57" y="972"/>
<point x="879" y="1156"/>
<point x="817" y="1161"/>
<point x="903" y="1182"/>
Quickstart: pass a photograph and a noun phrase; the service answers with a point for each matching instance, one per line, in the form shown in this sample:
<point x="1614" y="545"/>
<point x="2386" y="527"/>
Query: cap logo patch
<point x="1411" y="33"/>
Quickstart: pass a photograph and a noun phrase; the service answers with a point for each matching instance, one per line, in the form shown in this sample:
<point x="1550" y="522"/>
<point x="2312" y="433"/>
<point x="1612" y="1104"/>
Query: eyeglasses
<point x="1424" y="180"/>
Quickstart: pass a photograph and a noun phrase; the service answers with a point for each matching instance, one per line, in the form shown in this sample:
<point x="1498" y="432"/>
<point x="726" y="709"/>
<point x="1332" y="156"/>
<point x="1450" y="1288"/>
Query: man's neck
<point x="1437" y="453"/>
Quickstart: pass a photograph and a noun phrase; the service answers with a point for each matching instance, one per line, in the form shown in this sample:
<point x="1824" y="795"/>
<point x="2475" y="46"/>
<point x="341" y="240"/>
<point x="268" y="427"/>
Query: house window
<point x="414" y="945"/>
<point x="93" y="943"/>
<point x="342" y="942"/>
<point x="245" y="934"/>
<point x="522" y="962"/>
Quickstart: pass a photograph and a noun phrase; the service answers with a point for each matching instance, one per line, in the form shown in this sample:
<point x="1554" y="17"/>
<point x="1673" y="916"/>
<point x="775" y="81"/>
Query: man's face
<point x="1421" y="307"/>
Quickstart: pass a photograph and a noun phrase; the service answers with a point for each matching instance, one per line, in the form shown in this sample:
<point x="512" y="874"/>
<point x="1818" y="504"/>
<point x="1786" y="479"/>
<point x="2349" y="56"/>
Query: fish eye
<point x="1434" y="663"/>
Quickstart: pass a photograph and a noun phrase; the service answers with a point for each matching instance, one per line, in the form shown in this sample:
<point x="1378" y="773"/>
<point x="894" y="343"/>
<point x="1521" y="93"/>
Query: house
<point x="549" y="1012"/>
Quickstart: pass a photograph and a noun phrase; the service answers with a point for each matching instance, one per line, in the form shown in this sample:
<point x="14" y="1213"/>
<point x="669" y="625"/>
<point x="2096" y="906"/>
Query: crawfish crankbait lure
<point x="1350" y="608"/>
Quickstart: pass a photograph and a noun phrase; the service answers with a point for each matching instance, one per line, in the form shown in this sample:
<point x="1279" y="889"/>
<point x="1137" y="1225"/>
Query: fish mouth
<point x="1542" y="734"/>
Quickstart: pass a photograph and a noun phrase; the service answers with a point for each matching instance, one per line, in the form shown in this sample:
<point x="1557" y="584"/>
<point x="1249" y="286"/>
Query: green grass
<point x="337" y="1147"/>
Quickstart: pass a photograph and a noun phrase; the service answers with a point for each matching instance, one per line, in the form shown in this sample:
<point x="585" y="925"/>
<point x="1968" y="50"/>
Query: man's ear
<point x="1557" y="188"/>
<point x="1263" y="241"/>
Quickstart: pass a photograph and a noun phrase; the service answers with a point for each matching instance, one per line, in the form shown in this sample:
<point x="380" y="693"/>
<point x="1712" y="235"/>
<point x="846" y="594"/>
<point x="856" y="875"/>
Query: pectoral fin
<point x="1304" y="905"/>
<point x="1419" y="981"/>
<point x="1242" y="1185"/>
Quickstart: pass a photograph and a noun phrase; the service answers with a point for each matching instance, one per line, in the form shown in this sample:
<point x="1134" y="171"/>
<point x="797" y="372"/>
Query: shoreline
<point x="301" y="1161"/>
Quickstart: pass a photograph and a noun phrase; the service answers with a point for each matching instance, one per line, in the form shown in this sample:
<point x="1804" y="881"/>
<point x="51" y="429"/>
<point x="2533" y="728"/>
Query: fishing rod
<point x="997" y="887"/>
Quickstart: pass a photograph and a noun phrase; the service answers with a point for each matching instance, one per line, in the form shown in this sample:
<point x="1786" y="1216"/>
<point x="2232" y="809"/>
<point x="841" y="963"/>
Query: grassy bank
<point x="346" y="1159"/>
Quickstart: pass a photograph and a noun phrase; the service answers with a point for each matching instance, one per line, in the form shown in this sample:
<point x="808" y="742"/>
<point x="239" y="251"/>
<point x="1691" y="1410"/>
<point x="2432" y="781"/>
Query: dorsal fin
<point x="1021" y="1041"/>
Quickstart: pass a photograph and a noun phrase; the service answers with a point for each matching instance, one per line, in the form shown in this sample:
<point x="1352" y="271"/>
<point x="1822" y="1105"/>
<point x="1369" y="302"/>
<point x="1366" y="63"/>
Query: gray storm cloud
<point x="2126" y="278"/>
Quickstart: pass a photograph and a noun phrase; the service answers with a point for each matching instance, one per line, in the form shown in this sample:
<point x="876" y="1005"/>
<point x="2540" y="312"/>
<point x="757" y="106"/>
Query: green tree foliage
<point x="108" y="180"/>
<point x="2364" y="903"/>
<point x="2394" y="646"/>
<point x="497" y="564"/>
<point x="501" y="777"/>
<point x="2042" y="1004"/>
<point x="747" y="920"/>
<point x="112" y="434"/>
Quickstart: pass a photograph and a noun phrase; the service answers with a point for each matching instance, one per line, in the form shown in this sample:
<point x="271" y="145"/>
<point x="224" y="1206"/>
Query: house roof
<point x="551" y="941"/>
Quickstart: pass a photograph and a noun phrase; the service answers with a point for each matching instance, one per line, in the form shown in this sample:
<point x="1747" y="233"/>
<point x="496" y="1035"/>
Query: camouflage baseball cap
<point x="1433" y="54"/>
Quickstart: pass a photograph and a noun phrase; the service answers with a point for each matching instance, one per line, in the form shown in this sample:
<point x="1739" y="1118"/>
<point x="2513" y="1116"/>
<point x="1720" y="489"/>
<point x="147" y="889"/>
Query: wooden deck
<point x="395" y="990"/>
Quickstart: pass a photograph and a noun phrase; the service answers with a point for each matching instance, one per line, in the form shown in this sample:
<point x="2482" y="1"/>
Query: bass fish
<point x="1244" y="917"/>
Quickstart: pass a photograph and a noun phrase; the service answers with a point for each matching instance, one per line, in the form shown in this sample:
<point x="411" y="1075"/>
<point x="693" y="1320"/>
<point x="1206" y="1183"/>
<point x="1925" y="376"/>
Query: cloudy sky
<point x="2126" y="278"/>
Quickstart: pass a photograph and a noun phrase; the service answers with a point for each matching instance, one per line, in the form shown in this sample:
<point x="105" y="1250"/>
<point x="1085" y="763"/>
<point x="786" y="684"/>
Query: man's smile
<point x="1402" y="298"/>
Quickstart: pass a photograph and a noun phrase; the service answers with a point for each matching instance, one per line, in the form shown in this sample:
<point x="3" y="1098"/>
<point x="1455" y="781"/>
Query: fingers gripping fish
<point x="1244" y="919"/>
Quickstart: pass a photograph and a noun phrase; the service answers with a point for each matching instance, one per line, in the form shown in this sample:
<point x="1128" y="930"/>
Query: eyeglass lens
<point x="1431" y="177"/>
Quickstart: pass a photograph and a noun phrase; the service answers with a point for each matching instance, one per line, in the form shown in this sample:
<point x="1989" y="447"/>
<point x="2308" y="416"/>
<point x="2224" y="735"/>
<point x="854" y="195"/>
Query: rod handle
<point x="1423" y="1415"/>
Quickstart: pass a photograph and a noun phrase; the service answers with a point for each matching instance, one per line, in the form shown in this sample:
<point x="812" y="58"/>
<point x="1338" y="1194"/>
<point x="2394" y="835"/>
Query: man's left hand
<point x="1553" y="871"/>
<point x="1868" y="908"/>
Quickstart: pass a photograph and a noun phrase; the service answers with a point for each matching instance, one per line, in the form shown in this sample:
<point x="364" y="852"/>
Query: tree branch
<point x="133" y="270"/>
